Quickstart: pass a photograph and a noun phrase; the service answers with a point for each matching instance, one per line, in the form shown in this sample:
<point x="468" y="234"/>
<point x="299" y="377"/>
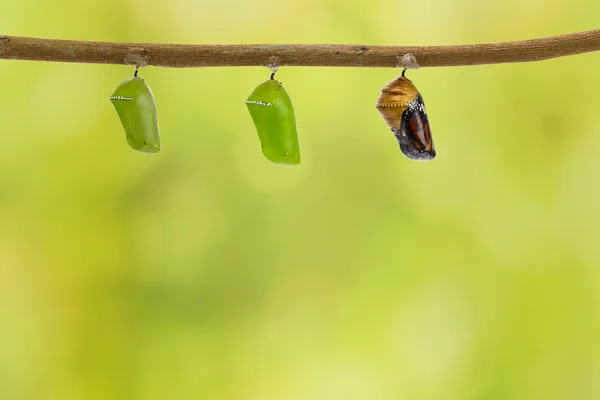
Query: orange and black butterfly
<point x="403" y="110"/>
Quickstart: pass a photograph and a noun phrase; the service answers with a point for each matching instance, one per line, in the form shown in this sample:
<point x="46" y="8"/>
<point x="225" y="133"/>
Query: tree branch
<point x="326" y="55"/>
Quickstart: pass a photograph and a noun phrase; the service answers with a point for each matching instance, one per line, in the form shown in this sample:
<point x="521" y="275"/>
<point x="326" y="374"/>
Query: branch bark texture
<point x="324" y="55"/>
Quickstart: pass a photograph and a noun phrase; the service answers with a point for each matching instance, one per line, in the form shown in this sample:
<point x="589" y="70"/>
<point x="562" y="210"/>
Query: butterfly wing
<point x="414" y="135"/>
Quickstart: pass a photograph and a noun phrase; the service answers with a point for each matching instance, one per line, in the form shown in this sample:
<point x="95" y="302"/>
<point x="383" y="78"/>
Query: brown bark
<point x="326" y="55"/>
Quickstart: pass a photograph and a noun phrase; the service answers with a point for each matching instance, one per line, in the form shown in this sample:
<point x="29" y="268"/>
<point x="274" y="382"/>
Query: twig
<point x="326" y="55"/>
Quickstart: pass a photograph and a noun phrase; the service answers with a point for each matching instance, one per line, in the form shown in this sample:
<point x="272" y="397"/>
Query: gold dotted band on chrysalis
<point x="120" y="98"/>
<point x="259" y="103"/>
<point x="390" y="105"/>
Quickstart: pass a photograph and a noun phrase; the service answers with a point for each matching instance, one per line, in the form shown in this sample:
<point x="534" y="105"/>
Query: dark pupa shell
<point x="401" y="107"/>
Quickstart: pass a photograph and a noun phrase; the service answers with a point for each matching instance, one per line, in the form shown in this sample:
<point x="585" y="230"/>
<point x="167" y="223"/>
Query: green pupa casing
<point x="273" y="114"/>
<point x="135" y="105"/>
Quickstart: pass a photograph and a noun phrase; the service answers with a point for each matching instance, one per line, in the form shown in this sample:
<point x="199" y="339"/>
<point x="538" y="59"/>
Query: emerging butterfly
<point x="272" y="111"/>
<point x="403" y="110"/>
<point x="136" y="108"/>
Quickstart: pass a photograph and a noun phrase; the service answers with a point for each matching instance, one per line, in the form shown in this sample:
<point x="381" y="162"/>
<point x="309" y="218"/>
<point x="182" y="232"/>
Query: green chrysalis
<point x="273" y="114"/>
<point x="135" y="105"/>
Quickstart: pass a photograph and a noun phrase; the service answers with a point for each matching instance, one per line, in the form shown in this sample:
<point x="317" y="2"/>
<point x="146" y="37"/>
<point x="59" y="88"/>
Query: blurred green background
<point x="206" y="272"/>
